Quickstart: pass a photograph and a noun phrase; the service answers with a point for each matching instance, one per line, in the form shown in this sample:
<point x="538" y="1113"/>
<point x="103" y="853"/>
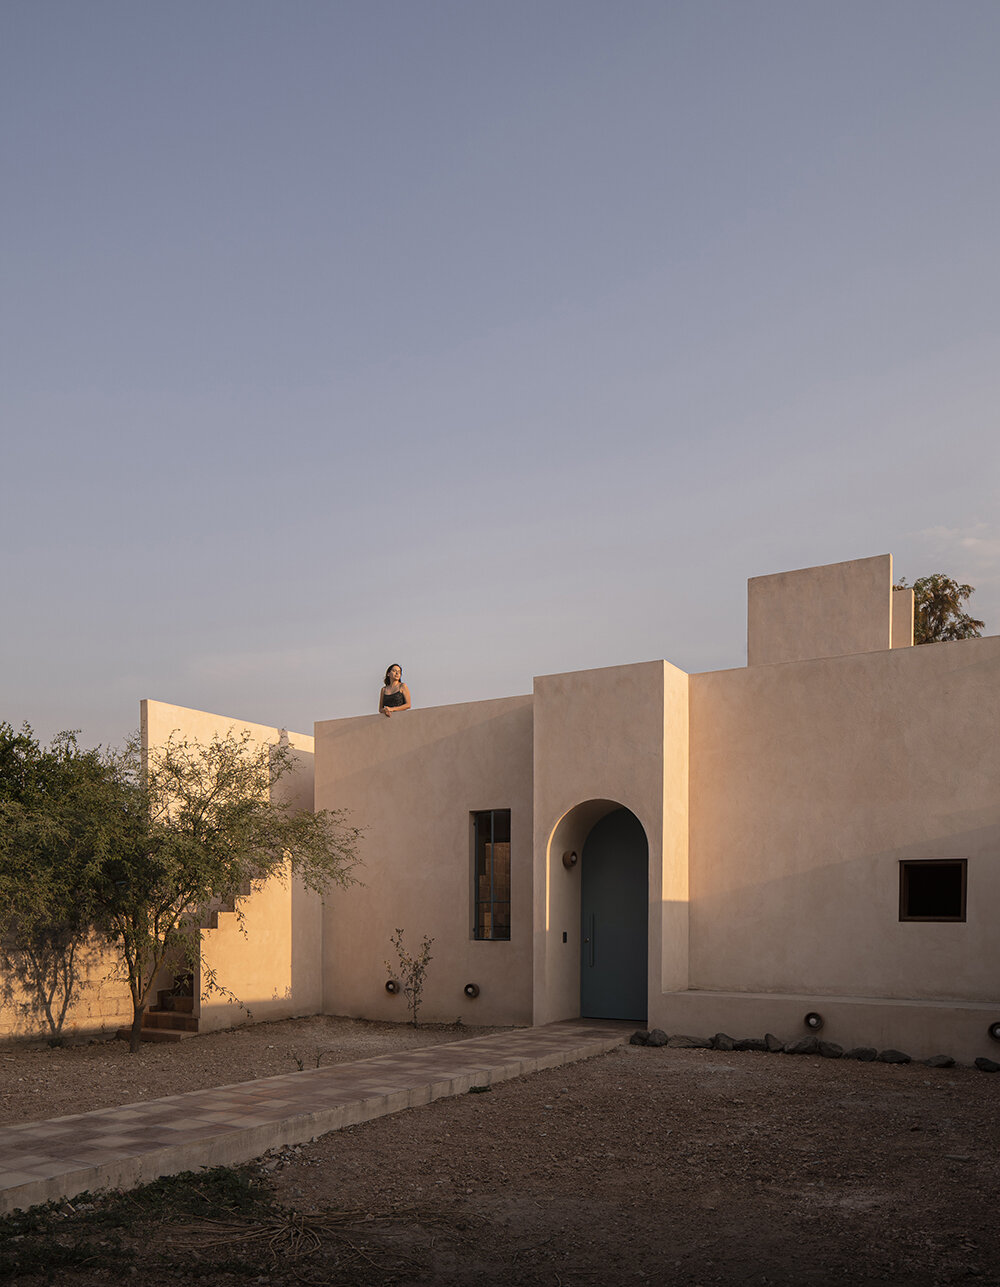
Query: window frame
<point x="906" y="865"/>
<point x="492" y="903"/>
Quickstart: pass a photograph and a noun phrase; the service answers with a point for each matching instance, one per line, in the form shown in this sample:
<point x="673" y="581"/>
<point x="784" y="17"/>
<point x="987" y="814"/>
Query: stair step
<point x="167" y="1000"/>
<point x="156" y="1034"/>
<point x="154" y="1018"/>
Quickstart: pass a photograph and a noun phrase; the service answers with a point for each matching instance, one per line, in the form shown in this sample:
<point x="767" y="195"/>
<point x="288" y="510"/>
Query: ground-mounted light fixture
<point x="391" y="986"/>
<point x="813" y="1021"/>
<point x="471" y="989"/>
<point x="994" y="1031"/>
<point x="570" y="859"/>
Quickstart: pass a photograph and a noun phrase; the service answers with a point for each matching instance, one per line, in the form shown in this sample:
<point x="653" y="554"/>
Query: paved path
<point x="133" y="1144"/>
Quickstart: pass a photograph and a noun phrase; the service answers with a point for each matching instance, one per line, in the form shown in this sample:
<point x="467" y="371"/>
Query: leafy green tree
<point x="133" y="849"/>
<point x="50" y="837"/>
<point x="200" y="825"/>
<point x="938" y="609"/>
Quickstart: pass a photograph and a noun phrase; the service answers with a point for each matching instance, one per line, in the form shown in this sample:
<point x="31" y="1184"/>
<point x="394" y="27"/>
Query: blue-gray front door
<point x="614" y="901"/>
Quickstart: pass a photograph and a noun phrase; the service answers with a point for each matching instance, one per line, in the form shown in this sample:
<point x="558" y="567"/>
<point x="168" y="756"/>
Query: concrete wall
<point x="599" y="744"/>
<point x="413" y="781"/>
<point x="828" y="611"/>
<point x="809" y="783"/>
<point x="673" y="895"/>
<point x="903" y="607"/>
<point x="274" y="964"/>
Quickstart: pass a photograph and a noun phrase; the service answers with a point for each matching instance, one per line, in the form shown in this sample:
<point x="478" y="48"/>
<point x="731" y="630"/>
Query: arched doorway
<point x="614" y="918"/>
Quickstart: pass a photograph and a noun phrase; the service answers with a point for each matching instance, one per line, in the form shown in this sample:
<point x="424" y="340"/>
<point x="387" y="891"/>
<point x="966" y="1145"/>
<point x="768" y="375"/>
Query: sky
<point x="495" y="339"/>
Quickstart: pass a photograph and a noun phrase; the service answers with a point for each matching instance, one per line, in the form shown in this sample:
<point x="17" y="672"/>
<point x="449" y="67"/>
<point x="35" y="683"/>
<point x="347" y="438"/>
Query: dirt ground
<point x="644" y="1165"/>
<point x="39" y="1081"/>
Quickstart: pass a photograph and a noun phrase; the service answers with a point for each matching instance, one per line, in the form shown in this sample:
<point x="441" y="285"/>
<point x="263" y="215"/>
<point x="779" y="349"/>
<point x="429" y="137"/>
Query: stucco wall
<point x="413" y="781"/>
<point x="827" y="611"/>
<point x="599" y="744"/>
<point x="903" y="608"/>
<point x="670" y="888"/>
<point x="272" y="965"/>
<point x="809" y="783"/>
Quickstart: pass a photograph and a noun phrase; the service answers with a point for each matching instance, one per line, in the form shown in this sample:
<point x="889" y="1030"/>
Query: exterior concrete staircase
<point x="172" y="1018"/>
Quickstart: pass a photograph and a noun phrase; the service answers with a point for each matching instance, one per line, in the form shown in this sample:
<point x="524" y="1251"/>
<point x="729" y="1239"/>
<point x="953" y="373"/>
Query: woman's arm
<point x="382" y="709"/>
<point x="406" y="693"/>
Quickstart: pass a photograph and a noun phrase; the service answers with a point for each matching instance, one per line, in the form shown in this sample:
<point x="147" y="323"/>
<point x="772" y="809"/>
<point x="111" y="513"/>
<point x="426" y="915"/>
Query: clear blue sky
<point x="496" y="339"/>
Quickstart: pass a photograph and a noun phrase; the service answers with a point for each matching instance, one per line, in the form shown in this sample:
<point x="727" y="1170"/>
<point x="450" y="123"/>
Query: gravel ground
<point x="644" y="1165"/>
<point x="684" y="1167"/>
<point x="37" y="1082"/>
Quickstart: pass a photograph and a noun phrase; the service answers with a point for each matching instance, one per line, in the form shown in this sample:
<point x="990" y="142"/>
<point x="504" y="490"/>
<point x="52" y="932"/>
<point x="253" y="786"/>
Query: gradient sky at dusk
<point x="495" y="339"/>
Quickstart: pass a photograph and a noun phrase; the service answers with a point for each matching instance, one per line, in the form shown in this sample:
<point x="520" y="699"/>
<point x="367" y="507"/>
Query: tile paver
<point x="135" y="1143"/>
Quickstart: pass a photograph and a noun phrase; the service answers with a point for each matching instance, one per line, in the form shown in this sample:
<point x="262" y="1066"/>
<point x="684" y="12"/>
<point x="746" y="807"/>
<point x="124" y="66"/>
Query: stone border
<point x="805" y="1046"/>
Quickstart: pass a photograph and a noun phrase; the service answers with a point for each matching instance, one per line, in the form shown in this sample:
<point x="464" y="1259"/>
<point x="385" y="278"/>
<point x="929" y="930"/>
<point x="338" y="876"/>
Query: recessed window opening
<point x="932" y="889"/>
<point x="491" y="873"/>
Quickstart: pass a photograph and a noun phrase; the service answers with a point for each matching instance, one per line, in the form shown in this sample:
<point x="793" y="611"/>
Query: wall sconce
<point x="813" y="1021"/>
<point x="392" y="987"/>
<point x="570" y="859"/>
<point x="994" y="1031"/>
<point x="471" y="989"/>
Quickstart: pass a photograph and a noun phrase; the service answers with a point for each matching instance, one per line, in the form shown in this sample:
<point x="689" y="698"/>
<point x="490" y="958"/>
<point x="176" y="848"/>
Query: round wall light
<point x="471" y="989"/>
<point x="392" y="987"/>
<point x="570" y="859"/>
<point x="813" y="1021"/>
<point x="994" y="1031"/>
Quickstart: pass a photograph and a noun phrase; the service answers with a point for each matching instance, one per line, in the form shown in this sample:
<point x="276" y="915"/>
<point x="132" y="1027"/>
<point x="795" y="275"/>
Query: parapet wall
<point x="828" y="611"/>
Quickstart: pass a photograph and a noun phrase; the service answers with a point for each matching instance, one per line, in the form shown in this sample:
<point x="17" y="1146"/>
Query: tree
<point x="938" y="613"/>
<point x="49" y="837"/>
<point x="200" y="824"/>
<point x="99" y="843"/>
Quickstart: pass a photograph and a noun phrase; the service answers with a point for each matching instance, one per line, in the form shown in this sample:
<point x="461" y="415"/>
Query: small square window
<point x="932" y="889"/>
<point x="491" y="874"/>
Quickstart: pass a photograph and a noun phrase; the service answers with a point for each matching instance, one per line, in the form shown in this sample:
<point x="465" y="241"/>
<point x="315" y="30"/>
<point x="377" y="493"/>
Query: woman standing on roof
<point x="395" y="696"/>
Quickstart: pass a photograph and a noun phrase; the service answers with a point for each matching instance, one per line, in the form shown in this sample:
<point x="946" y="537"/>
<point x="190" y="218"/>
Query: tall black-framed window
<point x="491" y="874"/>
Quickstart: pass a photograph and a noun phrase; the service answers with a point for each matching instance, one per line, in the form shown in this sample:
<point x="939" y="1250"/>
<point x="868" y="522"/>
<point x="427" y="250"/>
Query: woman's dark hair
<point x="385" y="682"/>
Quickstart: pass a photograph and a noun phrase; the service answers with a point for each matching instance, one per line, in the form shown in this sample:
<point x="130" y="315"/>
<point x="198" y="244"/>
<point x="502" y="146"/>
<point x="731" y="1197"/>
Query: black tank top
<point x="397" y="698"/>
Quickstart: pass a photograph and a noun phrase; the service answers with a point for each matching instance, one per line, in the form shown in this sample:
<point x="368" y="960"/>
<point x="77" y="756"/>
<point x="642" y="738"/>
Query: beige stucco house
<point x="815" y="833"/>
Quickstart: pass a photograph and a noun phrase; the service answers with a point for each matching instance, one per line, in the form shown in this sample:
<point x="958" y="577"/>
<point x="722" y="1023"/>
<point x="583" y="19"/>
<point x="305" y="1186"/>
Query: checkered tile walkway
<point x="134" y="1144"/>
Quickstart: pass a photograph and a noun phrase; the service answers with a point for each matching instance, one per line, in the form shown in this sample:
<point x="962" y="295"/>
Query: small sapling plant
<point x="412" y="971"/>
